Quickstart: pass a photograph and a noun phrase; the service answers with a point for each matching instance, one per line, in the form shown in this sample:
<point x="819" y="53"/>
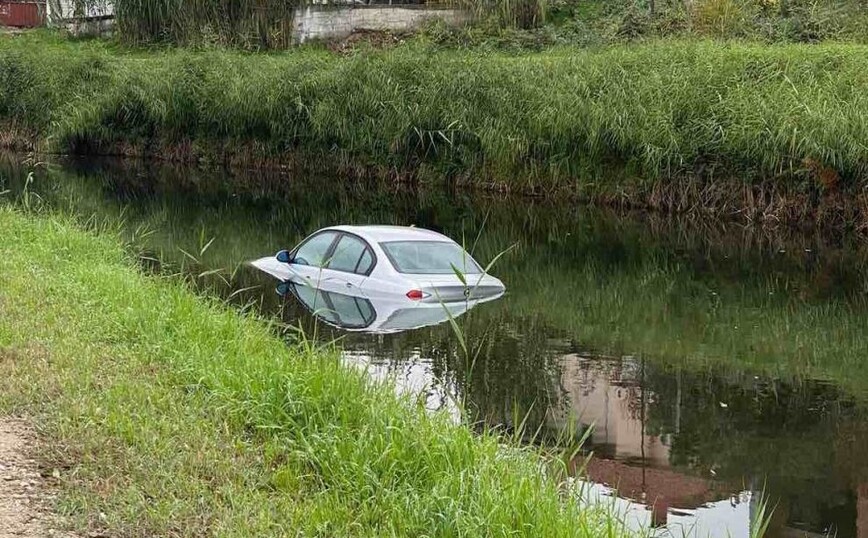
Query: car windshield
<point x="429" y="257"/>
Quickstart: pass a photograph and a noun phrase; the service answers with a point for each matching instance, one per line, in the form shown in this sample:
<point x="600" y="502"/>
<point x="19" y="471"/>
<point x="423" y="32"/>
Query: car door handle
<point x="349" y="284"/>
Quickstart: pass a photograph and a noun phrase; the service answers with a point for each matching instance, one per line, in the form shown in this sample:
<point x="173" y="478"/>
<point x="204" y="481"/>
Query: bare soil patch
<point x="25" y="495"/>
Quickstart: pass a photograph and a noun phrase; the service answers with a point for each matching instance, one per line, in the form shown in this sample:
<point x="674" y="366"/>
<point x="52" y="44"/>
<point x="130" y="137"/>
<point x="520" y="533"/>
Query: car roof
<point x="380" y="233"/>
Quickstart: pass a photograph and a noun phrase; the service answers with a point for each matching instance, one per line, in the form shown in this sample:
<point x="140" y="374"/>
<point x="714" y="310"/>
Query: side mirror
<point x="283" y="289"/>
<point x="283" y="257"/>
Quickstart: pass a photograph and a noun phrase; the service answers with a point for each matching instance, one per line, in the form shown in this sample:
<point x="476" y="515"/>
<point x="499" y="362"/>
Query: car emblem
<point x="467" y="292"/>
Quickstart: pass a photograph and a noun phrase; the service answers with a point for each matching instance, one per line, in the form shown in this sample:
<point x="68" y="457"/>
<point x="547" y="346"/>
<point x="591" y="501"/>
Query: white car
<point x="385" y="261"/>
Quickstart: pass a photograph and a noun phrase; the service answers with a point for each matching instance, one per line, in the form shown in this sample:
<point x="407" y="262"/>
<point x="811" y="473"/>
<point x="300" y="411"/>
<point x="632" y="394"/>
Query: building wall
<point x="64" y="10"/>
<point x="21" y="14"/>
<point x="321" y="22"/>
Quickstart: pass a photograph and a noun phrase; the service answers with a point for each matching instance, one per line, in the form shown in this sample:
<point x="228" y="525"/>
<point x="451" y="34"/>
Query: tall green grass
<point x="517" y="24"/>
<point x="548" y="119"/>
<point x="803" y="21"/>
<point x="265" y="24"/>
<point x="245" y="23"/>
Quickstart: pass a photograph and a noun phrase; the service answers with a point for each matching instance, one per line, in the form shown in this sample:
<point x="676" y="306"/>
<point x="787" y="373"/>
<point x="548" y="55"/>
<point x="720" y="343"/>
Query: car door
<point x="349" y="264"/>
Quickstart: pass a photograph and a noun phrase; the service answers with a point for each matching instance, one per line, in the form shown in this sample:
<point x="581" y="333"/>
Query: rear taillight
<point x="416" y="295"/>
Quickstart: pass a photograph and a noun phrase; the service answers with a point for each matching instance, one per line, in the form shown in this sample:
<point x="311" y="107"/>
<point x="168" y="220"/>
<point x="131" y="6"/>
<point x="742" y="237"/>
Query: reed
<point x="803" y="21"/>
<point x="517" y="24"/>
<point x="267" y="24"/>
<point x="243" y="23"/>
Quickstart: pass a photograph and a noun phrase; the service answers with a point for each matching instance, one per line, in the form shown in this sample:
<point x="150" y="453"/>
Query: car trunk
<point x="449" y="288"/>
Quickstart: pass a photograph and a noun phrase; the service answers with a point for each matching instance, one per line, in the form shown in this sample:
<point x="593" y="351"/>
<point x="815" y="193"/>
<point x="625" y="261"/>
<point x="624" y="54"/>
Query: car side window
<point x="313" y="251"/>
<point x="348" y="254"/>
<point x="366" y="262"/>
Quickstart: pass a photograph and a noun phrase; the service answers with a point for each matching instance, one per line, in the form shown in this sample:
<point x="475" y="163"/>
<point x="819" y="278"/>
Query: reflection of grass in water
<point x="662" y="310"/>
<point x="609" y="285"/>
<point x="618" y="289"/>
<point x="795" y="436"/>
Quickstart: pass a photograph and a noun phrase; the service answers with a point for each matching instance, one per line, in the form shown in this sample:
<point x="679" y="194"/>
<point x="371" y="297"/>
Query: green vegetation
<point x="245" y="23"/>
<point x="177" y="415"/>
<point x="793" y="113"/>
<point x="604" y="22"/>
<point x="514" y="24"/>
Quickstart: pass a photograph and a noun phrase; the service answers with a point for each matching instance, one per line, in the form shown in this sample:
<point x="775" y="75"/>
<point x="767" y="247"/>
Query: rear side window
<point x="352" y="255"/>
<point x="366" y="263"/>
<point x="313" y="251"/>
<point x="347" y="254"/>
<point x="429" y="257"/>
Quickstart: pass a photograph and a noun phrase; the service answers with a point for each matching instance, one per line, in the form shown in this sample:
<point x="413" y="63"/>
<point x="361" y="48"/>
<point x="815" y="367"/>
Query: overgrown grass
<point x="514" y="24"/>
<point x="606" y="22"/>
<point x="797" y="114"/>
<point x="173" y="415"/>
<point x="259" y="24"/>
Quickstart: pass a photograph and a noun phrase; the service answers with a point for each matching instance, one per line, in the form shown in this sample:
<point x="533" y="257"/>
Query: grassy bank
<point x="766" y="131"/>
<point x="166" y="414"/>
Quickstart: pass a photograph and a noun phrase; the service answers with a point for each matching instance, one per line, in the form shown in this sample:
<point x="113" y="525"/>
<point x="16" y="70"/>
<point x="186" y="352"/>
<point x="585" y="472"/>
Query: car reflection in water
<point x="382" y="315"/>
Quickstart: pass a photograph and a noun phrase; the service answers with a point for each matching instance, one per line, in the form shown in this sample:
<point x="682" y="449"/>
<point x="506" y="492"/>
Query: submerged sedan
<point x="385" y="261"/>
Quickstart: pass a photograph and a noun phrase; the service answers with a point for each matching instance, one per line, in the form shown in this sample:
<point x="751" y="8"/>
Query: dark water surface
<point x="714" y="361"/>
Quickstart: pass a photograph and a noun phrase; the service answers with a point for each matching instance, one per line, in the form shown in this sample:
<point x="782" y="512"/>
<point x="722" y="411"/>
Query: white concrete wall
<point x="322" y="22"/>
<point x="64" y="10"/>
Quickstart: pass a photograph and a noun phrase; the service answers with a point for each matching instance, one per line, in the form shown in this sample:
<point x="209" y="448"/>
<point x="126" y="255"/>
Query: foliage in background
<point x="242" y="23"/>
<point x="518" y="24"/>
<point x="264" y="24"/>
<point x="529" y="121"/>
<point x="523" y="14"/>
<point x="602" y="22"/>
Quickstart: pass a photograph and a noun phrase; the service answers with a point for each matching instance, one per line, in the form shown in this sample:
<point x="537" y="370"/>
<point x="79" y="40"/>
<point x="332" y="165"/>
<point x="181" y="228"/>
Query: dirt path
<point x="24" y="496"/>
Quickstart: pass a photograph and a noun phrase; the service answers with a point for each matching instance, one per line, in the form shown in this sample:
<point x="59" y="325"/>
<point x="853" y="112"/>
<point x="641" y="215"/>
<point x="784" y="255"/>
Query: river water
<point x="714" y="361"/>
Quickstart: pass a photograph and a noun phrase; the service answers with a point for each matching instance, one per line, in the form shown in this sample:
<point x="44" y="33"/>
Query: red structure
<point x="22" y="14"/>
<point x="660" y="489"/>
